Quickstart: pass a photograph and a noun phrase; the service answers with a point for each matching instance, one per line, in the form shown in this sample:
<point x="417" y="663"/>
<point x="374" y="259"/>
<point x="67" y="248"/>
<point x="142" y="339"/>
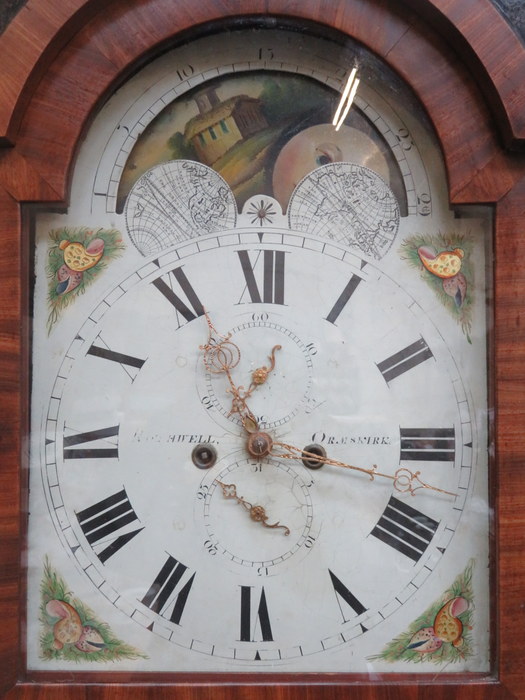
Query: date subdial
<point x="267" y="486"/>
<point x="275" y="401"/>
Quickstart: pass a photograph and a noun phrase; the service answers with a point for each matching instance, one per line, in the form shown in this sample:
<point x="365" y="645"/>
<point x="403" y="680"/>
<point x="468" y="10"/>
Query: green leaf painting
<point x="446" y="266"/>
<point x="76" y="257"/>
<point x="443" y="633"/>
<point x="71" y="631"/>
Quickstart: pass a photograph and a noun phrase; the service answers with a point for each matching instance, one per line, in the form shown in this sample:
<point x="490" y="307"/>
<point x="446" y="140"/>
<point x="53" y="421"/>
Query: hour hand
<point x="405" y="481"/>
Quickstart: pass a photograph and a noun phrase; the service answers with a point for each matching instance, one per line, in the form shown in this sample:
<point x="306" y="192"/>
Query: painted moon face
<point x="319" y="145"/>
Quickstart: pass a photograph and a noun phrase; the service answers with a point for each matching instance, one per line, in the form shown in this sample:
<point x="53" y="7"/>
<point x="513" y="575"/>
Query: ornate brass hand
<point x="221" y="355"/>
<point x="257" y="513"/>
<point x="405" y="481"/>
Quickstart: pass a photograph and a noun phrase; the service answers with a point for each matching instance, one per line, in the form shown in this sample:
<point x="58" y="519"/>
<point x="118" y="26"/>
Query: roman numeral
<point x="405" y="359"/>
<point x="102" y="521"/>
<point x="428" y="444"/>
<point x="349" y="598"/>
<point x="247" y="633"/>
<point x="160" y="597"/>
<point x="344" y="298"/>
<point x="405" y="529"/>
<point x="91" y="452"/>
<point x="130" y="364"/>
<point x="272" y="276"/>
<point x="178" y="280"/>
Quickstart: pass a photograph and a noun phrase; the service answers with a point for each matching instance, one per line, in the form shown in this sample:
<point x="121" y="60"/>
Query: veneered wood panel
<point x="510" y="414"/>
<point x="309" y="691"/>
<point x="478" y="170"/>
<point x="10" y="437"/>
<point x="28" y="44"/>
<point x="497" y="54"/>
<point x="127" y="31"/>
<point x="44" y="27"/>
<point x="21" y="181"/>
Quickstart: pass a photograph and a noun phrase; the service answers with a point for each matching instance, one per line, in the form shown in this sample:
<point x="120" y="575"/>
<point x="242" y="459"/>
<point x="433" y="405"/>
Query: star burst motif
<point x="262" y="212"/>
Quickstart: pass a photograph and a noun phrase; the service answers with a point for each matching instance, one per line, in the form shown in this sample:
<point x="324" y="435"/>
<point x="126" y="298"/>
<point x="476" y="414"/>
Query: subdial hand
<point x="257" y="513"/>
<point x="221" y="355"/>
<point x="260" y="375"/>
<point x="405" y="481"/>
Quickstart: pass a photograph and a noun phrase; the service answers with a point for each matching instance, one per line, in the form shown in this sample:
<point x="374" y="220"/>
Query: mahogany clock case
<point x="480" y="171"/>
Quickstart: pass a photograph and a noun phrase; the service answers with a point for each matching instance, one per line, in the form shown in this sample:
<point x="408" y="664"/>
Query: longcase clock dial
<point x="259" y="388"/>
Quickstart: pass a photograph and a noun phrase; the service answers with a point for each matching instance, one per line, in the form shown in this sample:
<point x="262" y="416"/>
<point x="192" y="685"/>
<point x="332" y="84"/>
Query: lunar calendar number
<point x="211" y="547"/>
<point x="185" y="72"/>
<point x="424" y="204"/>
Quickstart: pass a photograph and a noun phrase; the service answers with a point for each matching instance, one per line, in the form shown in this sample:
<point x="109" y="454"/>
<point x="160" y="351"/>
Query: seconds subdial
<point x="258" y="514"/>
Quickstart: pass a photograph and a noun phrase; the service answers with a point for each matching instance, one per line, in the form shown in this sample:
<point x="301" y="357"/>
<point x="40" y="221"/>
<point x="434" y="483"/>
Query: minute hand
<point x="405" y="481"/>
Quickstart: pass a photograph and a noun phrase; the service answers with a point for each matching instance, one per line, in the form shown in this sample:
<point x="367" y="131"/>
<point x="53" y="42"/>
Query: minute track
<point x="309" y="539"/>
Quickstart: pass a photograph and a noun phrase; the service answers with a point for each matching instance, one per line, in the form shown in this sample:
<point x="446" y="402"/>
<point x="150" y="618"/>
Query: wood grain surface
<point x="59" y="61"/>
